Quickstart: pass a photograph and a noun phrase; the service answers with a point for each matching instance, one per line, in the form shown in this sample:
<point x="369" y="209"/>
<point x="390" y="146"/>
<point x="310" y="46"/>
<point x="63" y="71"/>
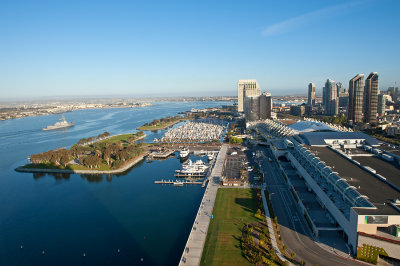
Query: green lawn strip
<point x="233" y="208"/>
<point x="161" y="125"/>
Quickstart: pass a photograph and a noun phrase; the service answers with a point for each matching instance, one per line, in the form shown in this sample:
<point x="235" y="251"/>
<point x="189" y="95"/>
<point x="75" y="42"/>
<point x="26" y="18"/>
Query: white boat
<point x="210" y="156"/>
<point x="190" y="167"/>
<point x="184" y="153"/>
<point x="59" y="125"/>
<point x="178" y="183"/>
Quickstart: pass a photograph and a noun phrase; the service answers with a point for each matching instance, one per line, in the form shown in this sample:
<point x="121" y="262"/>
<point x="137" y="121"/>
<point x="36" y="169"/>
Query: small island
<point x="162" y="123"/>
<point x="94" y="155"/>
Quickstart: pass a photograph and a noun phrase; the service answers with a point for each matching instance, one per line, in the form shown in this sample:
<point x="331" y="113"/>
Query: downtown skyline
<point x="192" y="49"/>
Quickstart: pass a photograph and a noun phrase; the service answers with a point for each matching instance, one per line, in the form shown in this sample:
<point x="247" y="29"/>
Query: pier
<point x="194" y="246"/>
<point x="161" y="155"/>
<point x="190" y="175"/>
<point x="171" y="182"/>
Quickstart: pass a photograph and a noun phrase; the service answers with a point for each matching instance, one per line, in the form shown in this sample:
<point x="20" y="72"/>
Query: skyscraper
<point x="265" y="105"/>
<point x="371" y="98"/>
<point x="394" y="92"/>
<point x="311" y="94"/>
<point x="331" y="106"/>
<point x="340" y="88"/>
<point x="248" y="87"/>
<point x="258" y="107"/>
<point x="381" y="104"/>
<point x="355" y="110"/>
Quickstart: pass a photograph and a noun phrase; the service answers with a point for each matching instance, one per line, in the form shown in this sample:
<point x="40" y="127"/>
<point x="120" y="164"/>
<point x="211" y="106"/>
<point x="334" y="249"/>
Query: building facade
<point x="248" y="87"/>
<point x="371" y="98"/>
<point x="394" y="92"/>
<point x="311" y="94"/>
<point x="265" y="106"/>
<point x="331" y="106"/>
<point x="355" y="109"/>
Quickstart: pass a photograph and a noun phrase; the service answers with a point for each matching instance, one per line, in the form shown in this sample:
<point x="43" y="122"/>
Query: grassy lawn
<point x="160" y="125"/>
<point x="233" y="207"/>
<point x="116" y="139"/>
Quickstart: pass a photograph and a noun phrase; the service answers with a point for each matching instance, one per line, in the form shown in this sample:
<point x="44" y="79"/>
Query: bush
<point x="370" y="253"/>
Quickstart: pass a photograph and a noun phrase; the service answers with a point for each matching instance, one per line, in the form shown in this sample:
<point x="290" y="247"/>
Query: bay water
<point x="69" y="216"/>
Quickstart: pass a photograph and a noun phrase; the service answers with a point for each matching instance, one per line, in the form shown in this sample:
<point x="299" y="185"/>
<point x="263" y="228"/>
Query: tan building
<point x="355" y="110"/>
<point x="311" y="94"/>
<point x="371" y="98"/>
<point x="247" y="87"/>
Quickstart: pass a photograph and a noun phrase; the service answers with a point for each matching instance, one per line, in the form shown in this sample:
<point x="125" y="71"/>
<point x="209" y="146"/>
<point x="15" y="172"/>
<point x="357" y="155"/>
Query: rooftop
<point x="318" y="138"/>
<point x="378" y="192"/>
<point x="386" y="169"/>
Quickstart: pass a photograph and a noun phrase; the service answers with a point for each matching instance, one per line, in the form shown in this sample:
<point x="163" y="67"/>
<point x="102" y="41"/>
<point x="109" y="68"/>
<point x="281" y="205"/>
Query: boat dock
<point x="162" y="155"/>
<point x="172" y="182"/>
<point x="194" y="246"/>
<point x="190" y="175"/>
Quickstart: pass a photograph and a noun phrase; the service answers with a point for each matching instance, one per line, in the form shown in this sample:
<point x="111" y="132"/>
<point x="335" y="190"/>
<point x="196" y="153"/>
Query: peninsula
<point x="94" y="155"/>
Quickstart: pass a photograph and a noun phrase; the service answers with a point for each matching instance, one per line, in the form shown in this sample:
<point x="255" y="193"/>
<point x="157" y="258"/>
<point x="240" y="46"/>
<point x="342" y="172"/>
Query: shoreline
<point x="124" y="167"/>
<point x="73" y="110"/>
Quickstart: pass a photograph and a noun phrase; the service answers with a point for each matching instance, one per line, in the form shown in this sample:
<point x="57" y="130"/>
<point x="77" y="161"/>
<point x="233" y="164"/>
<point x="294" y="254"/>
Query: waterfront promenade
<point x="195" y="243"/>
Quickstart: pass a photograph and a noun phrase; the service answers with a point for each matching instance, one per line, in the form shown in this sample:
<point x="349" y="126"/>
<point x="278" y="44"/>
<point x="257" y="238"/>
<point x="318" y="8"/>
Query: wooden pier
<point x="161" y="155"/>
<point x="190" y="175"/>
<point x="171" y="182"/>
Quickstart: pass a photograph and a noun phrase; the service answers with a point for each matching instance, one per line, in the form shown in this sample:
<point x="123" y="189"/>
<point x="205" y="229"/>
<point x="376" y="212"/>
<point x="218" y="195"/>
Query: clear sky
<point x="66" y="47"/>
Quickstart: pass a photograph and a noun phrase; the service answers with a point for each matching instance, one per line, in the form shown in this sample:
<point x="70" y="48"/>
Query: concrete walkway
<point x="271" y="229"/>
<point x="195" y="243"/>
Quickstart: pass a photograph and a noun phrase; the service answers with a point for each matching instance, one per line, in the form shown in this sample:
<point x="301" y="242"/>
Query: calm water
<point x="69" y="215"/>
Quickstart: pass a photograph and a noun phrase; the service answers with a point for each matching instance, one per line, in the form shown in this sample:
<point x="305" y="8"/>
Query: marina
<point x="194" y="132"/>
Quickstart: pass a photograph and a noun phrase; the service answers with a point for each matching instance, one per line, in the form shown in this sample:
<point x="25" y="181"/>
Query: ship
<point x="59" y="125"/>
<point x="184" y="154"/>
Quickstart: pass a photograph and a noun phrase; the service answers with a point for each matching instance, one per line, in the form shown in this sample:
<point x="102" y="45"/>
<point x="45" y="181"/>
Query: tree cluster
<point x="103" y="136"/>
<point x="93" y="156"/>
<point x="250" y="251"/>
<point x="56" y="157"/>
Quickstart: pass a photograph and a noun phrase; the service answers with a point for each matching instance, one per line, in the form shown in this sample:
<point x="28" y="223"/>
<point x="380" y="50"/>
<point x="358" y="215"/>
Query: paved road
<point x="294" y="229"/>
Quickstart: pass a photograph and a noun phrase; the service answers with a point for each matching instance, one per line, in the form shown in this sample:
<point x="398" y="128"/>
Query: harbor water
<point x="69" y="216"/>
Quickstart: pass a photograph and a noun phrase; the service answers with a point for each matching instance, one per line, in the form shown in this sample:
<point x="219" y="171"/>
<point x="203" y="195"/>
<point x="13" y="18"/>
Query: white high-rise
<point x="249" y="88"/>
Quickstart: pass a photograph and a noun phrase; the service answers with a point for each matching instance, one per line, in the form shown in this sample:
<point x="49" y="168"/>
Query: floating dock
<point x="172" y="182"/>
<point x="161" y="155"/>
<point x="190" y="175"/>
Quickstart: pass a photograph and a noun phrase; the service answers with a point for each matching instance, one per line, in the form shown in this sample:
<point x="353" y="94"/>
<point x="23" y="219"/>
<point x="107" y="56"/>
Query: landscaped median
<point x="238" y="233"/>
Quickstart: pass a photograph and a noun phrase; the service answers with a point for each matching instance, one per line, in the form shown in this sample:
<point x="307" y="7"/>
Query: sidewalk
<point x="271" y="229"/>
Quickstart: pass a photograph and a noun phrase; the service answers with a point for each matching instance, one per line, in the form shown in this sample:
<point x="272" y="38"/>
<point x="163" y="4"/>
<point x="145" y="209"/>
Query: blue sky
<point x="150" y="48"/>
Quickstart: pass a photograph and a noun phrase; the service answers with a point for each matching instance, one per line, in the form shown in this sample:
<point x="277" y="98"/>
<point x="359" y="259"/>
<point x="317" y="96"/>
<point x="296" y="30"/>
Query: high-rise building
<point x="381" y="104"/>
<point x="371" y="98"/>
<point x="258" y="107"/>
<point x="324" y="97"/>
<point x="340" y="88"/>
<point x="355" y="110"/>
<point x="252" y="108"/>
<point x="248" y="87"/>
<point x="394" y="92"/>
<point x="265" y="105"/>
<point x="331" y="106"/>
<point x="311" y="94"/>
